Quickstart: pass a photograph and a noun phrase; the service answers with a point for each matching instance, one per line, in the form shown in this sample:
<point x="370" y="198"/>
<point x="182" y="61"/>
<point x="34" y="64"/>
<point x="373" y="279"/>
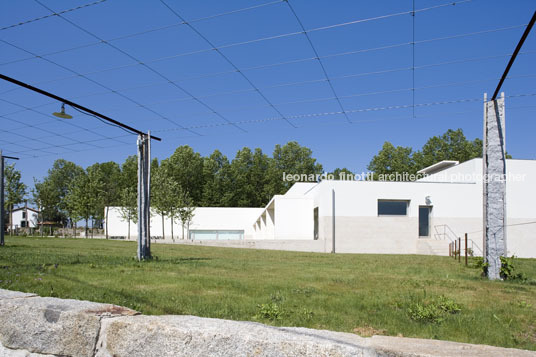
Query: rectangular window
<point x="392" y="208"/>
<point x="23" y="215"/>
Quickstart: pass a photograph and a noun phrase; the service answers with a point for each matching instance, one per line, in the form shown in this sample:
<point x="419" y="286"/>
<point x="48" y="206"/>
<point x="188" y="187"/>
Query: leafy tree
<point x="186" y="168"/>
<point x="106" y="188"/>
<point x="186" y="213"/>
<point x="342" y="174"/>
<point x="14" y="190"/>
<point x="248" y="179"/>
<point x="290" y="158"/>
<point x="217" y="180"/>
<point x="58" y="181"/>
<point x="128" y="208"/>
<point x="79" y="200"/>
<point x="452" y="145"/>
<point x="43" y="198"/>
<point x="166" y="196"/>
<point x="391" y="160"/>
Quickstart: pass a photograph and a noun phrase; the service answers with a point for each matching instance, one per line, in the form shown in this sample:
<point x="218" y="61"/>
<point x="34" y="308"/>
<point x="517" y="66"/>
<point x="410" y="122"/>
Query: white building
<point x="24" y="217"/>
<point x="418" y="217"/>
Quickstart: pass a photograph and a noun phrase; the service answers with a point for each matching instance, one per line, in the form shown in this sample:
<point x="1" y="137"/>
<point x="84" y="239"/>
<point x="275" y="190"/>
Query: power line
<point x="209" y="75"/>
<point x="318" y="58"/>
<point x="51" y="15"/>
<point x="100" y="41"/>
<point x="255" y="88"/>
<point x="144" y="65"/>
<point x="361" y="110"/>
<point x="516" y="51"/>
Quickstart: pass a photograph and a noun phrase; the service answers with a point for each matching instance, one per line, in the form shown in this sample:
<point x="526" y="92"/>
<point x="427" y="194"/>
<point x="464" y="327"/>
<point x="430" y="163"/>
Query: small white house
<point x="413" y="217"/>
<point x="25" y="217"/>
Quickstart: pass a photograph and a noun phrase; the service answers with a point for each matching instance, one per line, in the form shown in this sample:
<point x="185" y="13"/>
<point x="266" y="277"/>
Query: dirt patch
<point x="368" y="331"/>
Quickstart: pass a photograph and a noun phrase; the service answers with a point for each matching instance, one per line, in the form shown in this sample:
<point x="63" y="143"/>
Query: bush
<point x="508" y="270"/>
<point x="434" y="311"/>
<point x="270" y="311"/>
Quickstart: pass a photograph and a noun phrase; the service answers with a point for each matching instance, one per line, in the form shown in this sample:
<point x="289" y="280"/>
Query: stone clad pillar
<point x="494" y="184"/>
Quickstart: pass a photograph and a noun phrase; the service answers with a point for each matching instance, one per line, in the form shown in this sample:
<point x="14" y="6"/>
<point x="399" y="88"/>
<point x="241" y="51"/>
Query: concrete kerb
<point x="42" y="326"/>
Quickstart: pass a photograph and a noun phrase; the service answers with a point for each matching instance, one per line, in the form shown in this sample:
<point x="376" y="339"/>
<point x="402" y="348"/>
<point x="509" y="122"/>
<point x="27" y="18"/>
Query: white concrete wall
<point x="294" y="218"/>
<point x="205" y="218"/>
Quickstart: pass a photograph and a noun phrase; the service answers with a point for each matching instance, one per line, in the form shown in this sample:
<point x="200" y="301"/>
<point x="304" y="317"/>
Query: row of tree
<point x="186" y="179"/>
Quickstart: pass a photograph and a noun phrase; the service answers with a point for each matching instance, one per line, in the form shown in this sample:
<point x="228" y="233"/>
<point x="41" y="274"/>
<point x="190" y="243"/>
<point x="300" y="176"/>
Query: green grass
<point x="372" y="293"/>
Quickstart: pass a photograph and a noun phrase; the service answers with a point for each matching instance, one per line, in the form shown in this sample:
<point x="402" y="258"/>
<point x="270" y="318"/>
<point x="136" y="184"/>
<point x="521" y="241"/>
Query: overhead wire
<point x="228" y="60"/>
<point x="51" y="15"/>
<point x="146" y="66"/>
<point x="318" y="58"/>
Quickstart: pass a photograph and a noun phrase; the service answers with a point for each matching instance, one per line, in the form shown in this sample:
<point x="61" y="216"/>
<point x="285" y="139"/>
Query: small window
<point x="392" y="208"/>
<point x="23" y="215"/>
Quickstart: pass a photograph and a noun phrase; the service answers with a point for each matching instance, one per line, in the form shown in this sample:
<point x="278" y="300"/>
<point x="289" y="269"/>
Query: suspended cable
<point x="51" y="15"/>
<point x="255" y="88"/>
<point x="318" y="58"/>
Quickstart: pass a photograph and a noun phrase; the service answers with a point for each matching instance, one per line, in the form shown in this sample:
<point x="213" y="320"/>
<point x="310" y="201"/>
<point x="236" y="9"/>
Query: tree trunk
<point x="182" y="225"/>
<point x="92" y="227"/>
<point x="87" y="229"/>
<point x="10" y="220"/>
<point x="173" y="239"/>
<point x="128" y="227"/>
<point x="163" y="235"/>
<point x="106" y="222"/>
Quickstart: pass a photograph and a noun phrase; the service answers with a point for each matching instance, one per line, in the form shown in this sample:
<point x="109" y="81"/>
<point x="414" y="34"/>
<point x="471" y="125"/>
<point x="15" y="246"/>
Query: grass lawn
<point x="380" y="294"/>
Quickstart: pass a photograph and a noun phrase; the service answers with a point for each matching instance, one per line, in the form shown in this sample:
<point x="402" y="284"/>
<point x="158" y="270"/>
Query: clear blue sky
<point x="146" y="100"/>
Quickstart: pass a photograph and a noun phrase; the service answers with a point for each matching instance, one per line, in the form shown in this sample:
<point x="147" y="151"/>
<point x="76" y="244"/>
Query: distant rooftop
<point x="439" y="166"/>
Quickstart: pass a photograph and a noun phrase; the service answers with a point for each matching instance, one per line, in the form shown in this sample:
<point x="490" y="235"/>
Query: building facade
<point x="348" y="216"/>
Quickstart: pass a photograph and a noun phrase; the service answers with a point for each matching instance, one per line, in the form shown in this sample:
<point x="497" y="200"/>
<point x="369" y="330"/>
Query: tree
<point x="217" y="180"/>
<point x="452" y="145"/>
<point x="290" y="158"/>
<point x="128" y="208"/>
<point x="128" y="200"/>
<point x="342" y="174"/>
<point x="78" y="201"/>
<point x="166" y="196"/>
<point x="186" y="213"/>
<point x="59" y="180"/>
<point x="392" y="160"/>
<point x="248" y="179"/>
<point x="186" y="168"/>
<point x="43" y="198"/>
<point x="14" y="190"/>
<point x="107" y="188"/>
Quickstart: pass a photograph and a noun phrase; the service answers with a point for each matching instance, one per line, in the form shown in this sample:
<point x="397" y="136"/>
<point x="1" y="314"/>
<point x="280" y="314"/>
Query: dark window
<point x="392" y="208"/>
<point x="23" y="215"/>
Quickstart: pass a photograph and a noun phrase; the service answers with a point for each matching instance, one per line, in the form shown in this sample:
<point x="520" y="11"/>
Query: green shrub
<point x="508" y="270"/>
<point x="434" y="310"/>
<point x="270" y="311"/>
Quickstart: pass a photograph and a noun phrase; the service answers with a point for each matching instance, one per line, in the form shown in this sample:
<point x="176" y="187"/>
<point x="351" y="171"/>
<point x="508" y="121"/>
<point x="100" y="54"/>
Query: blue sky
<point x="92" y="56"/>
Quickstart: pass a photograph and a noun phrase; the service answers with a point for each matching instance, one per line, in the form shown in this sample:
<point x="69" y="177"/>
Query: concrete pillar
<point x="144" y="161"/>
<point x="494" y="184"/>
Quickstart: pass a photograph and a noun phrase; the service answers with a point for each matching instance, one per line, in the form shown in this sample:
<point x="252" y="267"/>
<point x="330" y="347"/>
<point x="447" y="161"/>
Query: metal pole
<point x="140" y="193"/>
<point x="149" y="190"/>
<point x="2" y="199"/>
<point x="465" y="249"/>
<point x="459" y="249"/>
<point x="333" y="220"/>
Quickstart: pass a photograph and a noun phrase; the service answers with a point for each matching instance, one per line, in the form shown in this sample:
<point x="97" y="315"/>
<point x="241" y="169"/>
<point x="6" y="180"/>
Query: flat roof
<point x="438" y="166"/>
